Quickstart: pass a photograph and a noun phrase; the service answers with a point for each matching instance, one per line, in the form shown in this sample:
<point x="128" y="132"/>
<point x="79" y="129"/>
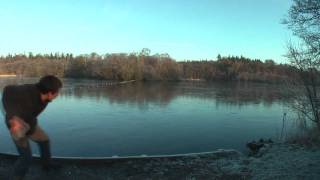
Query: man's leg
<point x="42" y="139"/>
<point x="22" y="165"/>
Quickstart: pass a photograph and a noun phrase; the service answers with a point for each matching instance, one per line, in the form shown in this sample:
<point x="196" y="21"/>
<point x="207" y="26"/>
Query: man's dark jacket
<point x="23" y="101"/>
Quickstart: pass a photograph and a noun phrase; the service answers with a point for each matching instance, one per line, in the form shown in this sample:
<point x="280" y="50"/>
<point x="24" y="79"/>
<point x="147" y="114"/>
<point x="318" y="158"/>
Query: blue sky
<point x="186" y="29"/>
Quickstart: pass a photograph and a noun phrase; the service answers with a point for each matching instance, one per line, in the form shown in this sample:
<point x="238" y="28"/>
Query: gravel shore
<point x="276" y="161"/>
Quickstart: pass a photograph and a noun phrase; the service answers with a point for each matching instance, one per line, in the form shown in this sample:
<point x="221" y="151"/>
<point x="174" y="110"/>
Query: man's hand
<point x="18" y="128"/>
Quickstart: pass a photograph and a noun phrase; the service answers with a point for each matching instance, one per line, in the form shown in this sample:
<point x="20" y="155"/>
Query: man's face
<point x="52" y="96"/>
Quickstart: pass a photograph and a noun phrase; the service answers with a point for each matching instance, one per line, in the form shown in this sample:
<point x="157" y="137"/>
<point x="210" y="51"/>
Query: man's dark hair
<point x="49" y="83"/>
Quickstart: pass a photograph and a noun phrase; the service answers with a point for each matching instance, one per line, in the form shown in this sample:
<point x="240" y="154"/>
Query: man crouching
<point x="22" y="104"/>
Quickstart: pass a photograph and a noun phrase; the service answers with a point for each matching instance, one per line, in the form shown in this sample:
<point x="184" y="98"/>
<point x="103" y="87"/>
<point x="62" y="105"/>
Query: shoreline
<point x="135" y="80"/>
<point x="75" y="159"/>
<point x="275" y="161"/>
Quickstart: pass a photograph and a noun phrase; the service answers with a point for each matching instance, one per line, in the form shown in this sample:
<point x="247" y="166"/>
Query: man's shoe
<point x="51" y="166"/>
<point x="17" y="178"/>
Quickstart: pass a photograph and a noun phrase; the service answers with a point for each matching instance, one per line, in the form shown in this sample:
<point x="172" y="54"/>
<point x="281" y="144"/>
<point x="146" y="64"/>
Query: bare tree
<point x="304" y="20"/>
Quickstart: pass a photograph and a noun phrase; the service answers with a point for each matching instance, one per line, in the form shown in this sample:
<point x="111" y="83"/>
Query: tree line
<point x="144" y="66"/>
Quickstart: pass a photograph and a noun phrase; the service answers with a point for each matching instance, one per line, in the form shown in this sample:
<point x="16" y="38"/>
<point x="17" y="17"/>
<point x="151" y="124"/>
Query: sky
<point x="185" y="29"/>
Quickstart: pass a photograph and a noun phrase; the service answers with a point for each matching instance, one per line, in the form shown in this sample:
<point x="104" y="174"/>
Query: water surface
<point x="90" y="119"/>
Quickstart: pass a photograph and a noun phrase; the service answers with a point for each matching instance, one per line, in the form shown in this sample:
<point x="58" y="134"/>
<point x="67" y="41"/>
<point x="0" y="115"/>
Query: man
<point x="22" y="104"/>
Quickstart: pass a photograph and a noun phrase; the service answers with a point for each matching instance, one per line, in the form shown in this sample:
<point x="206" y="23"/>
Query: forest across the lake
<point x="144" y="66"/>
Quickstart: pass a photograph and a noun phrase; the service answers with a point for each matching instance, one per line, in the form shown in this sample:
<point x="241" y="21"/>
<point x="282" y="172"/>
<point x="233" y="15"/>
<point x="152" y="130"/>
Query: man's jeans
<point x="23" y="163"/>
